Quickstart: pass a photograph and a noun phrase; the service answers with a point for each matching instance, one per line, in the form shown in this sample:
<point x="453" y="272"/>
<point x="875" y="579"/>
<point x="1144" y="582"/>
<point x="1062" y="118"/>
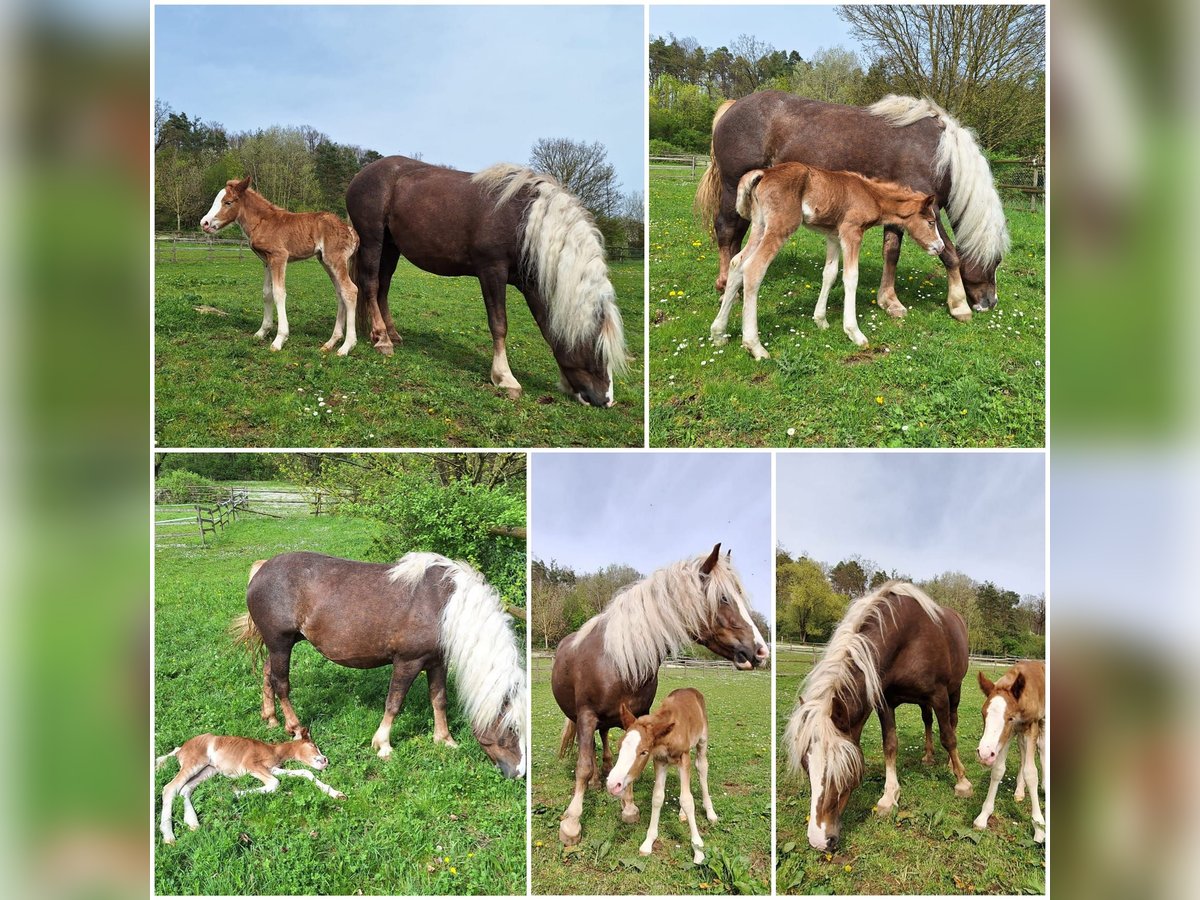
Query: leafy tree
<point x="833" y="75"/>
<point x="177" y="185"/>
<point x="807" y="605"/>
<point x="849" y="578"/>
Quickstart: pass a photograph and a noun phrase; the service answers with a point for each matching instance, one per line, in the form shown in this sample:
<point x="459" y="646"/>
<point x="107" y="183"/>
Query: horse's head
<point x="587" y="367"/>
<point x="308" y="752"/>
<point x="227" y="205"/>
<point x="979" y="280"/>
<point x="999" y="716"/>
<point x="504" y="742"/>
<point x="731" y="632"/>
<point x="821" y="745"/>
<point x="919" y="218"/>
<point x="642" y="736"/>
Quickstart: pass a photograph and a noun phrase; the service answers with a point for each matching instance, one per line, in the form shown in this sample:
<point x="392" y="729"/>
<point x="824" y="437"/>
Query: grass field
<point x="215" y="385"/>
<point x="429" y="820"/>
<point x="927" y="845"/>
<point x="924" y="381"/>
<point x="737" y="848"/>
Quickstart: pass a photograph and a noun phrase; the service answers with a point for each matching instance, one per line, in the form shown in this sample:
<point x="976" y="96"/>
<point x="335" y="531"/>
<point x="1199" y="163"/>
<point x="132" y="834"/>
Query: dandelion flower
<point x="537" y="843"/>
<point x="879" y="400"/>
<point x="445" y="859"/>
<point x="846" y="868"/>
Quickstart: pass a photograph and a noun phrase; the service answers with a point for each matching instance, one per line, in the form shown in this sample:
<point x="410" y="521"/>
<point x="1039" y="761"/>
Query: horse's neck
<point x="255" y="208"/>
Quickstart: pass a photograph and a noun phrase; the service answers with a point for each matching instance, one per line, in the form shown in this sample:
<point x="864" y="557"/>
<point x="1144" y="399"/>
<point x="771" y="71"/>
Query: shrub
<point x="182" y="486"/>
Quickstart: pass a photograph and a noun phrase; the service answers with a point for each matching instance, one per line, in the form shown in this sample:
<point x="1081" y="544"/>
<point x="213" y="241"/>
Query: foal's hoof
<point x="629" y="814"/>
<point x="981" y="822"/>
<point x="513" y="393"/>
<point x="338" y="795"/>
<point x="169" y="840"/>
<point x="962" y="789"/>
<point x="568" y="832"/>
<point x="384" y="752"/>
<point x="896" y="310"/>
<point x="718" y="338"/>
<point x="963" y="314"/>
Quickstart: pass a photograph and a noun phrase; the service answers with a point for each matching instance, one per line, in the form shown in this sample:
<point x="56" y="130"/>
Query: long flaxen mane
<point x="563" y="250"/>
<point x="849" y="654"/>
<point x="649" y="620"/>
<point x="478" y="642"/>
<point x="976" y="213"/>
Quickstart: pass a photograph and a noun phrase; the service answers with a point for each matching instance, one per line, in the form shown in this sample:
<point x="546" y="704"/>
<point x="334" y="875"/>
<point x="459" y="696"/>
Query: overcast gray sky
<point x="920" y="513"/>
<point x="646" y="510"/>
<point x="466" y="86"/>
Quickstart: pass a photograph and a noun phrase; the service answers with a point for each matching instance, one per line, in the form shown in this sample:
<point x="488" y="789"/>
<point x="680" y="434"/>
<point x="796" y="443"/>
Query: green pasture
<point x="737" y="848"/>
<point x="216" y="385"/>
<point x="924" y="380"/>
<point x="927" y="845"/>
<point x="430" y="820"/>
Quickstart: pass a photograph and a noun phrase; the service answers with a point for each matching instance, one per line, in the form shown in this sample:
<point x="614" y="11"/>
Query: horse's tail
<point x="708" y="193"/>
<point x="162" y="760"/>
<point x="562" y="251"/>
<point x="568" y="738"/>
<point x="478" y="643"/>
<point x="745" y="192"/>
<point x="246" y="635"/>
<point x="980" y="231"/>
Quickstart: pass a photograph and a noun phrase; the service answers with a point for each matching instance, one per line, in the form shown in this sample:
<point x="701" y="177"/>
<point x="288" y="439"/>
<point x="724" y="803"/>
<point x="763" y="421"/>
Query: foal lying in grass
<point x="207" y="754"/>
<point x="840" y="205"/>
<point x="667" y="735"/>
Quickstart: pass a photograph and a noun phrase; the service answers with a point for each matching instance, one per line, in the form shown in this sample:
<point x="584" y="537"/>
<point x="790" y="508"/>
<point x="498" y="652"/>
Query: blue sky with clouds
<point x="920" y="513"/>
<point x="465" y="86"/>
<point x="647" y="509"/>
<point x="802" y="28"/>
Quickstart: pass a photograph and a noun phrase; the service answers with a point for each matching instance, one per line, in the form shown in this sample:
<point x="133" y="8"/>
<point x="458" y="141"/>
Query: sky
<point x="648" y="510"/>
<point x="804" y="29"/>
<point x="463" y="86"/>
<point x="920" y="513"/>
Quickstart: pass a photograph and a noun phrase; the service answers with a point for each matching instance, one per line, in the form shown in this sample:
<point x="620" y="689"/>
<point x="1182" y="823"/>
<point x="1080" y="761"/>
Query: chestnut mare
<point x="504" y="225"/>
<point x="206" y="755"/>
<point x="840" y="205"/>
<point x="426" y="612"/>
<point x="613" y="660"/>
<point x="668" y="736"/>
<point x="894" y="646"/>
<point x="277" y="237"/>
<point x="902" y="139"/>
<point x="1015" y="706"/>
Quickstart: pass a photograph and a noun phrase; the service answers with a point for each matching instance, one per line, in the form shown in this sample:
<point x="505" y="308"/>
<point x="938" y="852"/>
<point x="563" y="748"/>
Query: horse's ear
<point x="985" y="685"/>
<point x="929" y="204"/>
<point x="663" y="730"/>
<point x="627" y="716"/>
<point x="711" y="562"/>
<point x="840" y="714"/>
<point x="1018" y="686"/>
<point x="242" y="185"/>
<point x="728" y="555"/>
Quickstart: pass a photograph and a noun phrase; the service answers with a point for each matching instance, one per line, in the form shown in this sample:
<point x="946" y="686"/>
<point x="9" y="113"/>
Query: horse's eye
<point x="724" y="600"/>
<point x="645" y="753"/>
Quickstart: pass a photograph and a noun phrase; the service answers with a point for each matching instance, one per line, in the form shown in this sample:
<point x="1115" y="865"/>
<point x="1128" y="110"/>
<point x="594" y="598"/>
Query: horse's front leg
<point x="754" y="270"/>
<point x="989" y="802"/>
<point x="656" y="804"/>
<point x="956" y="298"/>
<point x="585" y="765"/>
<point x="891" y="783"/>
<point x="702" y="770"/>
<point x="403" y="674"/>
<point x="1029" y="739"/>
<point x="688" y="804"/>
<point x="436" y="673"/>
<point x="851" y="239"/>
<point x="268" y="304"/>
<point x="493" y="282"/>
<point x="887" y="299"/>
<point x="718" y="331"/>
<point x="278" y="264"/>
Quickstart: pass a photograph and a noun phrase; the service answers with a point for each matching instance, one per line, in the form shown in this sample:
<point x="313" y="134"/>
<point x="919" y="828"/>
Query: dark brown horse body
<point x="763" y="129"/>
<point x="914" y="652"/>
<point x="614" y="659"/>
<point x="425" y="613"/>
<point x="505" y="225"/>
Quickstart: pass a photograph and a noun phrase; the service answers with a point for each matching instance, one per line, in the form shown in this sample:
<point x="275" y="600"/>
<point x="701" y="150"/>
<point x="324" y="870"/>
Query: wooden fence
<point x="208" y="517"/>
<point x="814" y="651"/>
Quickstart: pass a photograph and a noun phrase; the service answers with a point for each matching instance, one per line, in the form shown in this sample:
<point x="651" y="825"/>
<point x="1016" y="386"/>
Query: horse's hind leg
<point x="403" y="674"/>
<point x="268" y="304"/>
<point x="492" y="282"/>
<point x="891" y="783"/>
<point x="279" y="663"/>
<point x="730" y="229"/>
<point x="927" y="718"/>
<point x="585" y="765"/>
<point x="606" y="758"/>
<point x="268" y="696"/>
<point x="1029" y="738"/>
<point x="367" y="274"/>
<point x="702" y="770"/>
<point x="436" y="674"/>
<point x="189" y="812"/>
<point x="851" y="239"/>
<point x="389" y="259"/>
<point x="279" y="294"/>
<point x="828" y="276"/>
<point x="688" y="804"/>
<point x="347" y="296"/>
<point x="887" y="299"/>
<point x="947" y="720"/>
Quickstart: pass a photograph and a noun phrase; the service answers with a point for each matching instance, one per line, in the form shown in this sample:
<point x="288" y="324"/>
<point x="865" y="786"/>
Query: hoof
<point x="646" y="851"/>
<point x="568" y="832"/>
<point x="1019" y="795"/>
<point x="1039" y="837"/>
<point x="698" y="857"/>
<point x="718" y="339"/>
<point x="513" y="393"/>
<point x="384" y="752"/>
<point x="325" y="348"/>
<point x="260" y="335"/>
<point x="275" y="348"/>
<point x="338" y="795"/>
<point x="682" y="816"/>
<point x="927" y="760"/>
<point x="897" y="310"/>
<point x="446" y="741"/>
<point x="758" y="351"/>
<point x="981" y="823"/>
<point x="629" y="815"/>
<point x="821" y="323"/>
<point x="169" y="840"/>
<point x="193" y="827"/>
<point x="884" y="809"/>
<point x="386" y="349"/>
<point x="962" y="789"/>
<point x="720" y="285"/>
<point x="713" y="817"/>
<point x="962" y="315"/>
<point x="272" y="722"/>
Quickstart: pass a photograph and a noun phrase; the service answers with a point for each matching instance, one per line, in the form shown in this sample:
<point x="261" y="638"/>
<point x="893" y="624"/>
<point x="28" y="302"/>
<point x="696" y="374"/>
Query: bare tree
<point x="582" y="168"/>
<point x="177" y="184"/>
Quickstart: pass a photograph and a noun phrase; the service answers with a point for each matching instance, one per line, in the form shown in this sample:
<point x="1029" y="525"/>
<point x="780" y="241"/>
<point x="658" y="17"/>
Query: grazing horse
<point x="277" y="237"/>
<point x="426" y="612"/>
<point x="668" y="736"/>
<point x="1015" y="706"/>
<point x="504" y="225"/>
<point x="206" y="755"/>
<point x="902" y="139"/>
<point x="840" y="205"/>
<point x="613" y="660"/>
<point x="893" y="646"/>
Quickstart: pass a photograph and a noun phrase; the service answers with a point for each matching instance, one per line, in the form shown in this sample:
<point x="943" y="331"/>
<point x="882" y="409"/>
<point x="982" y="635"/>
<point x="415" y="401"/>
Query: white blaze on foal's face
<point x="631" y="751"/>
<point x="212" y="222"/>
<point x="995" y="718"/>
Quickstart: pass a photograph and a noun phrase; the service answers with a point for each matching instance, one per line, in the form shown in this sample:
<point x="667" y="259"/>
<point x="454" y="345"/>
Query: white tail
<point x="162" y="760"/>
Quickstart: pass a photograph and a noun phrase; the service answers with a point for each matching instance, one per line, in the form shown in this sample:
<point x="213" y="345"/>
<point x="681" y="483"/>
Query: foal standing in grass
<point x="668" y="736"/>
<point x="207" y="754"/>
<point x="841" y="205"/>
<point x="277" y="237"/>
<point x="1015" y="707"/>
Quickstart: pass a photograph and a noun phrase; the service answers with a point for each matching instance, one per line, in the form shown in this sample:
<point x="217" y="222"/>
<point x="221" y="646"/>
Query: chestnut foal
<point x="277" y="237"/>
<point x="667" y="735"/>
<point x="207" y="754"/>
<point x="840" y="205"/>
<point x="1015" y="705"/>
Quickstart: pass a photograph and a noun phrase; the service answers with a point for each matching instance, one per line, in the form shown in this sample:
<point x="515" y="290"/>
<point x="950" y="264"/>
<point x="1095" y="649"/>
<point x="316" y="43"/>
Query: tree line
<point x="811" y="597"/>
<point x="561" y="600"/>
<point x="984" y="64"/>
<point x="301" y="168"/>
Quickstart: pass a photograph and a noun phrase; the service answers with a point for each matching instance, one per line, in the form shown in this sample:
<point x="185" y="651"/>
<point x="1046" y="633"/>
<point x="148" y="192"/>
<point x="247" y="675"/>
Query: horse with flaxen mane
<point x="426" y="612"/>
<point x="613" y="660"/>
<point x="278" y="237"/>
<point x="893" y="646"/>
<point x="912" y="142"/>
<point x="504" y="225"/>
